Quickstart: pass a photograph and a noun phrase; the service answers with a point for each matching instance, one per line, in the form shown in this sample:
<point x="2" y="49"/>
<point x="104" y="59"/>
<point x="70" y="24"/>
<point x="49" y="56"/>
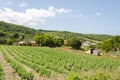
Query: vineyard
<point x="52" y="64"/>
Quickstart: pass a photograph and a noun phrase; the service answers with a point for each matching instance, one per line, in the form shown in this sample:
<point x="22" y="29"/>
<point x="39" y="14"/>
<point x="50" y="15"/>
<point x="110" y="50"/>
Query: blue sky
<point x="82" y="16"/>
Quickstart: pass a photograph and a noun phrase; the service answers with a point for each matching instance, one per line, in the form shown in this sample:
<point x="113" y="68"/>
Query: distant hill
<point x="67" y="34"/>
<point x="18" y="32"/>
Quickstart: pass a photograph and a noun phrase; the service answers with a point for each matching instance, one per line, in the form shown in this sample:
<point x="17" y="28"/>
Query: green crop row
<point x="25" y="60"/>
<point x="1" y="72"/>
<point x="17" y="67"/>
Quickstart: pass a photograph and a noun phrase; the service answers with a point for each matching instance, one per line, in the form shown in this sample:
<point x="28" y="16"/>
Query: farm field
<point x="43" y="63"/>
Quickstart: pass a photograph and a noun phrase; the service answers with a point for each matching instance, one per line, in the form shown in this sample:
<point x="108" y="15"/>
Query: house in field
<point x="33" y="43"/>
<point x="94" y="52"/>
<point x="21" y="43"/>
<point x="87" y="43"/>
<point x="28" y="43"/>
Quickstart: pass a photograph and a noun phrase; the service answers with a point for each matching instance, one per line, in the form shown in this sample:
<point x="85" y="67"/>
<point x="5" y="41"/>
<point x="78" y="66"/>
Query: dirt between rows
<point x="9" y="73"/>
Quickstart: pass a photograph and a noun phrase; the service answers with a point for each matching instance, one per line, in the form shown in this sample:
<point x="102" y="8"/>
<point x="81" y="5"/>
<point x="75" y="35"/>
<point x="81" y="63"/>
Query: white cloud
<point x="31" y="17"/>
<point x="62" y="10"/>
<point x="23" y="4"/>
<point x="98" y="13"/>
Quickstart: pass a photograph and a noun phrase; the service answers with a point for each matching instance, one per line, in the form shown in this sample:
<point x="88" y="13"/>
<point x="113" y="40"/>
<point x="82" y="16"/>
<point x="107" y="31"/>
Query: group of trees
<point x="46" y="40"/>
<point x="112" y="44"/>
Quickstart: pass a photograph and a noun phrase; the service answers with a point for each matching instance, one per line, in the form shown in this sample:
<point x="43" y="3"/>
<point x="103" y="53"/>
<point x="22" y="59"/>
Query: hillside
<point x="18" y="32"/>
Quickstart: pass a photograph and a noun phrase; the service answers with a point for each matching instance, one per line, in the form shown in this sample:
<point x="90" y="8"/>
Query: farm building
<point x="30" y="43"/>
<point x="93" y="51"/>
<point x="87" y="43"/>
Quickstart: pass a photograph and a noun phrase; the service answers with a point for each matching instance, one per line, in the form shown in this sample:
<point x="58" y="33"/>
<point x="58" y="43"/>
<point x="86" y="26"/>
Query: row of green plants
<point x="43" y="58"/>
<point x="1" y="72"/>
<point x="42" y="71"/>
<point x="19" y="69"/>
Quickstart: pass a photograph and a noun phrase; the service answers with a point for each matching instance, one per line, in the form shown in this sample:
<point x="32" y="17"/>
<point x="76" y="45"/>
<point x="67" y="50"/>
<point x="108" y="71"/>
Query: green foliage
<point x="39" y="39"/>
<point x="72" y="76"/>
<point x="58" y="42"/>
<point x="9" y="41"/>
<point x="19" y="33"/>
<point x="2" y="41"/>
<point x="2" y="34"/>
<point x="98" y="37"/>
<point x="75" y="43"/>
<point x="15" y="35"/>
<point x="46" y="40"/>
<point x="66" y="35"/>
<point x="112" y="44"/>
<point x="1" y="72"/>
<point x="15" y="32"/>
<point x="107" y="45"/>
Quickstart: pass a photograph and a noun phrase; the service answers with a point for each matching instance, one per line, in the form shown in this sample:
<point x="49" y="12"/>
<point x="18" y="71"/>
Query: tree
<point x="44" y="40"/>
<point x="9" y="41"/>
<point x="2" y="40"/>
<point x="107" y="45"/>
<point x="111" y="44"/>
<point x="48" y="41"/>
<point x="75" y="43"/>
<point x="15" y="35"/>
<point x="58" y="42"/>
<point x="39" y="39"/>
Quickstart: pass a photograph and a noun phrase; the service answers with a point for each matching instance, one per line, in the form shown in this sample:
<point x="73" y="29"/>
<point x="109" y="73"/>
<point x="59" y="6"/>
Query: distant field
<point x="52" y="64"/>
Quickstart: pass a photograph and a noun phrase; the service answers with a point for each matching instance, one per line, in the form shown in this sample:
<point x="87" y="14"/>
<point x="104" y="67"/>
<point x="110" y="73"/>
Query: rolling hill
<point x="19" y="32"/>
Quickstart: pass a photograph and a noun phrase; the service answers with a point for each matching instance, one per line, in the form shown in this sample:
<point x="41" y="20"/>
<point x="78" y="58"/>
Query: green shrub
<point x="1" y="72"/>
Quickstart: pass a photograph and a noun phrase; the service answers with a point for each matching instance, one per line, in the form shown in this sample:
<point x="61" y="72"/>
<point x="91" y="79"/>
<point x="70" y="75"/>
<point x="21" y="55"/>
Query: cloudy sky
<point x="82" y="16"/>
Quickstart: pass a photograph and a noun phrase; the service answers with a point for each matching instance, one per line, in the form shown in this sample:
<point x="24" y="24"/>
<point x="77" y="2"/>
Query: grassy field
<point x="55" y="64"/>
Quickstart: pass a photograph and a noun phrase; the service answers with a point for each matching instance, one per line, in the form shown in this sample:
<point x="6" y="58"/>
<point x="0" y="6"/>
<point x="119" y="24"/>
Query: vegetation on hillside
<point x="15" y="33"/>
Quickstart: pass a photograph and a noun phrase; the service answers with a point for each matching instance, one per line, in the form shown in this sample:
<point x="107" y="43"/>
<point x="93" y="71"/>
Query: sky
<point x="81" y="16"/>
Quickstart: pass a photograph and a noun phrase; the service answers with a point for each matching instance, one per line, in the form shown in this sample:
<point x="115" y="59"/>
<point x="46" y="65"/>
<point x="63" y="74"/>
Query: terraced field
<point x="42" y="63"/>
